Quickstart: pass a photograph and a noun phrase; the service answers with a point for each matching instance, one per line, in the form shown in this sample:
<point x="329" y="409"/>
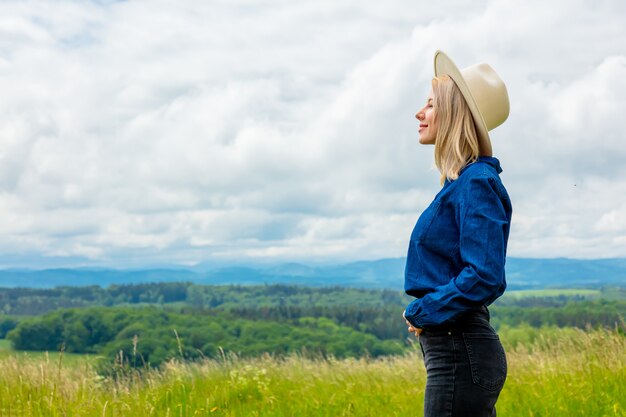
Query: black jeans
<point x="465" y="367"/>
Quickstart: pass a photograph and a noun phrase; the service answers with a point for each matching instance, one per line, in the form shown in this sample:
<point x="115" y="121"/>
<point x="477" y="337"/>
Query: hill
<point x="522" y="273"/>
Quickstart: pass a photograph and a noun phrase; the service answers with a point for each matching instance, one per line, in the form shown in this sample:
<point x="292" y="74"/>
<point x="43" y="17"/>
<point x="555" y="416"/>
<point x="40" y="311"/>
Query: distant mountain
<point x="47" y="278"/>
<point x="522" y="273"/>
<point x="564" y="272"/>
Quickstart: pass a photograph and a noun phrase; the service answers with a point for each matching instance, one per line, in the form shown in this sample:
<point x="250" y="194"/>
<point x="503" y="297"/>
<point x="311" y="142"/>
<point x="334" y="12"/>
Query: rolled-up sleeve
<point x="484" y="221"/>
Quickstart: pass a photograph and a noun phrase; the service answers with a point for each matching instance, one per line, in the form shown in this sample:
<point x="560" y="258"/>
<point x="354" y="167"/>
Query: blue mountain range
<point x="522" y="273"/>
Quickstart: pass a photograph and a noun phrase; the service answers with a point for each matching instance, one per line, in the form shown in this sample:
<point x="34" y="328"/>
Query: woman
<point x="455" y="261"/>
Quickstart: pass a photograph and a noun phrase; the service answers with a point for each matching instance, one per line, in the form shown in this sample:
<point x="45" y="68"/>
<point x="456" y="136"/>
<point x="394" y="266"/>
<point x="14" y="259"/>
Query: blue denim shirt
<point x="456" y="256"/>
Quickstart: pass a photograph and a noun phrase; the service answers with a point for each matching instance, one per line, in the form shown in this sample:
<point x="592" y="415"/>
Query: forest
<point x="148" y="324"/>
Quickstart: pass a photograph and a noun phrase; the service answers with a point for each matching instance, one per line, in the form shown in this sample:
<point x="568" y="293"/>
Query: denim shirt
<point x="457" y="252"/>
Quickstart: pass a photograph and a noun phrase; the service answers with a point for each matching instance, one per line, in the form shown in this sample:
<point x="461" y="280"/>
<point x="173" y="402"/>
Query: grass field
<point x="553" y="292"/>
<point x="577" y="373"/>
<point x="68" y="359"/>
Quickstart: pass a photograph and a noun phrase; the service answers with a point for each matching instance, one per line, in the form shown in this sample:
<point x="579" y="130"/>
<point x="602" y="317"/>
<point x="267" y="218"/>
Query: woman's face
<point x="426" y="117"/>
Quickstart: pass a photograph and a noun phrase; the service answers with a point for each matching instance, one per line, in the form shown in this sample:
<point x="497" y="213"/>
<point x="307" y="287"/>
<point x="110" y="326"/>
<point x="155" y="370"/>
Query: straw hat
<point x="484" y="92"/>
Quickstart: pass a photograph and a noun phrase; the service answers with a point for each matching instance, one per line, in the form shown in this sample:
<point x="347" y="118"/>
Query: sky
<point x="158" y="132"/>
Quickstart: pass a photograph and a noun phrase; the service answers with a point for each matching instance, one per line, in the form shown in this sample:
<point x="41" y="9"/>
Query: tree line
<point x="36" y="301"/>
<point x="153" y="322"/>
<point x="151" y="335"/>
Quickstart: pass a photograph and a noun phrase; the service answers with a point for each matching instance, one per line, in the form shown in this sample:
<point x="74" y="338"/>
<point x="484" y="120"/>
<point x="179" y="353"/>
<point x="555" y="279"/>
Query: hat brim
<point x="444" y="65"/>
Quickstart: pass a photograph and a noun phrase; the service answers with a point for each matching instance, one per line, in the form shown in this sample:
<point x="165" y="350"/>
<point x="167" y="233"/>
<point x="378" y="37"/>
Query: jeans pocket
<point x="487" y="360"/>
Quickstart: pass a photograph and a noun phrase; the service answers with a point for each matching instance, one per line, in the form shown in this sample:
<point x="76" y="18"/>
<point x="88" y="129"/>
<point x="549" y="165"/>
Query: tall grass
<point x="576" y="374"/>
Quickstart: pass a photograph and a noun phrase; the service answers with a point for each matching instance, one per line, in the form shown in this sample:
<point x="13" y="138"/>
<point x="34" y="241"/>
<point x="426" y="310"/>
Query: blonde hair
<point x="456" y="144"/>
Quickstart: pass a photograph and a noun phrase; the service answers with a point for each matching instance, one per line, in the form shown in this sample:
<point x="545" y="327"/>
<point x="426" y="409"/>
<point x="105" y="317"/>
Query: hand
<point x="416" y="330"/>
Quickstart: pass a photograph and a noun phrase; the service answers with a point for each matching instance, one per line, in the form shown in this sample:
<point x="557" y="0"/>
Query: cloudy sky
<point x="174" y="132"/>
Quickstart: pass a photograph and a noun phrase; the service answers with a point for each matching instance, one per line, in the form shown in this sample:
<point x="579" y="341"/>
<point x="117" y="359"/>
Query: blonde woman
<point x="455" y="261"/>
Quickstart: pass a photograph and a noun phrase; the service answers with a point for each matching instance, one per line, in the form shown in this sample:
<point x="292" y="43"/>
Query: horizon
<point x="208" y="265"/>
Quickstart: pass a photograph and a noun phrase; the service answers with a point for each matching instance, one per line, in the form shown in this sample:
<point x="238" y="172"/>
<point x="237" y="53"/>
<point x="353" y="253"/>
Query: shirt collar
<point x="491" y="161"/>
<point x="494" y="162"/>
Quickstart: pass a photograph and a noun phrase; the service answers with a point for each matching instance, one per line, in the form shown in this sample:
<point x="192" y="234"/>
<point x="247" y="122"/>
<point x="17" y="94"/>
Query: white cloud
<point x="148" y="132"/>
<point x="585" y="111"/>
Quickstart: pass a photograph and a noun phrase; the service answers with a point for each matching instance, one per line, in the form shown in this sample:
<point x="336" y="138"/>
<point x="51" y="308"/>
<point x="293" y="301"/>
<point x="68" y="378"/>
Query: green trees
<point x="32" y="301"/>
<point x="155" y="322"/>
<point x="153" y="335"/>
<point x="7" y="323"/>
<point x="581" y="314"/>
<point x="38" y="334"/>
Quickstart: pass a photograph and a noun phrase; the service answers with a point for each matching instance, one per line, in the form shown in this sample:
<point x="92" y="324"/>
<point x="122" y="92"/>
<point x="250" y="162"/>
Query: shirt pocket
<point x="425" y="221"/>
<point x="416" y="259"/>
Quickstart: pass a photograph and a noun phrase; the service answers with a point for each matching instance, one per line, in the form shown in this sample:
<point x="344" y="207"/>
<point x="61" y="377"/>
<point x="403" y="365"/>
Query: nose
<point x="419" y="115"/>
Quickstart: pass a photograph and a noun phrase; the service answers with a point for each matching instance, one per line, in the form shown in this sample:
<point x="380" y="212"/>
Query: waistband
<point x="467" y="321"/>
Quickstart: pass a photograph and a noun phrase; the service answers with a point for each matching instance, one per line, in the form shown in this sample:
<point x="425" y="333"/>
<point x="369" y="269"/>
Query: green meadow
<point x="67" y="359"/>
<point x="179" y="349"/>
<point x="554" y="292"/>
<point x="566" y="372"/>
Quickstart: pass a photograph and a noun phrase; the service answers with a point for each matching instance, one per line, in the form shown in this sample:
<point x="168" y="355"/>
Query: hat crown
<point x="489" y="93"/>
